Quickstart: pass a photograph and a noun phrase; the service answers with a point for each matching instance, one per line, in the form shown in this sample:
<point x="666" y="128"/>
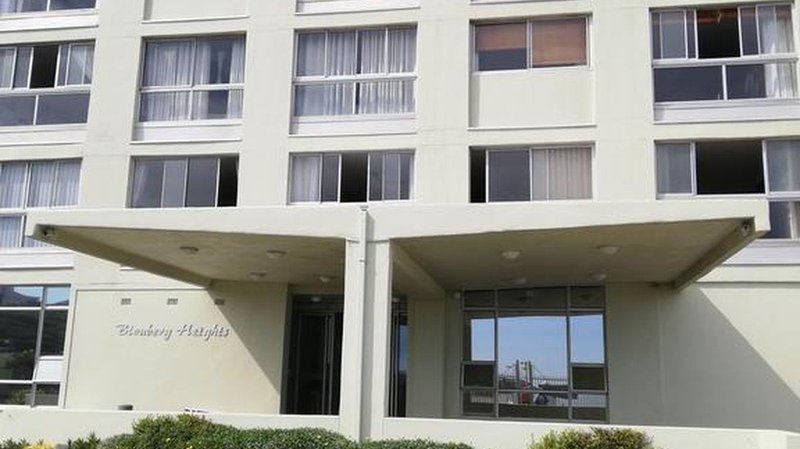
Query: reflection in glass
<point x="11" y="296"/>
<point x="57" y="296"/>
<point x="478" y="402"/>
<point x="589" y="407"/>
<point x="532" y="351"/>
<point x="688" y="84"/>
<point x="15" y="394"/>
<point x="53" y="331"/>
<point x="528" y="404"/>
<point x="479" y="332"/>
<point x="47" y="395"/>
<point x="479" y="299"/>
<point x="586" y="338"/>
<point x="746" y="81"/>
<point x="591" y="378"/>
<point x="536" y="298"/>
<point x="479" y="375"/>
<point x="18" y="344"/>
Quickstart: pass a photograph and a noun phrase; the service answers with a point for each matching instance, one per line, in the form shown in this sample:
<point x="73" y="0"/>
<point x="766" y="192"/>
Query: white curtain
<point x="10" y="229"/>
<point x="775" y="29"/>
<point x="23" y="66"/>
<point x="402" y="50"/>
<point x="674" y="168"/>
<point x="12" y="185"/>
<point x="570" y="173"/>
<point x="218" y="61"/>
<point x="341" y="55"/>
<point x="168" y="63"/>
<point x="237" y="60"/>
<point x="310" y="54"/>
<point x="164" y="106"/>
<point x="324" y="99"/>
<point x="306" y="171"/>
<point x="7" y="56"/>
<point x="372" y="46"/>
<point x="386" y="97"/>
<point x="81" y="60"/>
<point x="781" y="80"/>
<point x="783" y="164"/>
<point x="391" y="176"/>
<point x="42" y="183"/>
<point x="68" y="183"/>
<point x="541" y="174"/>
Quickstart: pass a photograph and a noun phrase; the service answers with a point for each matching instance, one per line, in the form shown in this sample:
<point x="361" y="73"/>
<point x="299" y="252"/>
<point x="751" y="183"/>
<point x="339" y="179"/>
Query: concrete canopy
<point x="447" y="247"/>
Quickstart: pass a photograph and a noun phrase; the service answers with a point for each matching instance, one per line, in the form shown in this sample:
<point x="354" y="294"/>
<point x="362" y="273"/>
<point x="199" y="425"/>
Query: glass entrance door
<point x="315" y="356"/>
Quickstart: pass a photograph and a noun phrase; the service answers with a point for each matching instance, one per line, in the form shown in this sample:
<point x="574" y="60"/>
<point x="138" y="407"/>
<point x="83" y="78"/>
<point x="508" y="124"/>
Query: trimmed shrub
<point x="91" y="442"/>
<point x="596" y="438"/>
<point x="14" y="444"/>
<point x="412" y="444"/>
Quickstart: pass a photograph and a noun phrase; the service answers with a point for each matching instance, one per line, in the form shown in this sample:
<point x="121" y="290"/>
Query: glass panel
<point x="81" y="60"/>
<point x="15" y="394"/>
<point x="18" y="336"/>
<point x="330" y="177"/>
<point x="589" y="378"/>
<point x="12" y="184"/>
<point x="23" y="68"/>
<point x="529" y="404"/>
<point x="14" y="296"/>
<point x="691" y="29"/>
<point x="71" y="4"/>
<point x="41" y="184"/>
<point x="372" y="51"/>
<point x="589" y="407"/>
<point x="749" y="31"/>
<point x="718" y="33"/>
<point x="386" y="97"/>
<point x="7" y="56"/>
<point x="47" y="395"/>
<point x="324" y="99"/>
<point x="479" y="299"/>
<point x="164" y="107"/>
<point x="784" y="220"/>
<point x="63" y="109"/>
<point x="17" y="111"/>
<point x="673" y="34"/>
<point x="402" y="51"/>
<point x="310" y="54"/>
<point x="587" y="297"/>
<point x="674" y="167"/>
<point x="479" y="375"/>
<point x="587" y="338"/>
<point x="509" y="175"/>
<point x="783" y="162"/>
<point x="479" y="336"/>
<point x="501" y="47"/>
<point x="168" y="63"/>
<point x="746" y="81"/>
<point x="376" y="176"/>
<point x="478" y="402"/>
<point x="53" y="332"/>
<point x="148" y="178"/>
<point x="57" y="296"/>
<point x="10" y="231"/>
<point x="342" y="55"/>
<point x="569" y="174"/>
<point x="174" y="183"/>
<point x="688" y="84"/>
<point x="655" y="26"/>
<point x="391" y="176"/>
<point x="558" y="42"/>
<point x="406" y="170"/>
<point x="32" y="5"/>
<point x="532" y="351"/>
<point x="68" y="181"/>
<point x="201" y="185"/>
<point x="781" y="80"/>
<point x="216" y="105"/>
<point x="537" y="298"/>
<point x="213" y="61"/>
<point x="305" y="178"/>
<point x="775" y="28"/>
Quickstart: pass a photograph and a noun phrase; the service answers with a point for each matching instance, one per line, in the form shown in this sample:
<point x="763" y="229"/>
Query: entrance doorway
<point x="315" y="355"/>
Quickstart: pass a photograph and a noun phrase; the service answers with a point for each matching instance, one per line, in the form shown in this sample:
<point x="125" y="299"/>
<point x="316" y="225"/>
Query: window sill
<point x="768" y="252"/>
<point x="42" y="134"/>
<point x="339" y="6"/>
<point x="190" y="131"/>
<point x="355" y="124"/>
<point x="36" y="258"/>
<point x="536" y="70"/>
<point x="83" y="18"/>
<point x="727" y="110"/>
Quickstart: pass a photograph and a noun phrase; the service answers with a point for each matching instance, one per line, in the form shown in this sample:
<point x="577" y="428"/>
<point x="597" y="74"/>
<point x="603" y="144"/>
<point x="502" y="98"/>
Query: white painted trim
<point x="49" y="20"/>
<point x="196" y="131"/>
<point x="768" y="252"/>
<point x="310" y="7"/>
<point x="195" y="19"/>
<point x="726" y="111"/>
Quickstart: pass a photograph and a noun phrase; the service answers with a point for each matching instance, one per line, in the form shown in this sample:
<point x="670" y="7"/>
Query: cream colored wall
<point x="241" y="372"/>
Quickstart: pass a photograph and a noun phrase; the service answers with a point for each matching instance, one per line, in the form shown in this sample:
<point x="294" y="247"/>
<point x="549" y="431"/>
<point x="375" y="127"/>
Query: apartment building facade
<point x="473" y="220"/>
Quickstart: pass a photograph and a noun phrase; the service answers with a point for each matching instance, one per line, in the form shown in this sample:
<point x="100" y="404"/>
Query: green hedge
<point x="596" y="438"/>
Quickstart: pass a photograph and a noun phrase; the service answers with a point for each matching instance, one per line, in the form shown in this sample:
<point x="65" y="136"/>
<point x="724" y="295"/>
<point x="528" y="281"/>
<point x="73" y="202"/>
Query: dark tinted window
<point x="688" y="84"/>
<point x="354" y="178"/>
<point x="509" y="175"/>
<point x="477" y="176"/>
<point x="228" y="181"/>
<point x="201" y="185"/>
<point x="71" y="4"/>
<point x="718" y="33"/>
<point x="746" y="81"/>
<point x="43" y="71"/>
<point x="147" y="183"/>
<point x="729" y="167"/>
<point x="330" y="177"/>
<point x="501" y="46"/>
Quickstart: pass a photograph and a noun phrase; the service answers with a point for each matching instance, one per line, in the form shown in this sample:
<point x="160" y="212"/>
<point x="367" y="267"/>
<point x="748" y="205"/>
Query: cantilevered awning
<point x="454" y="246"/>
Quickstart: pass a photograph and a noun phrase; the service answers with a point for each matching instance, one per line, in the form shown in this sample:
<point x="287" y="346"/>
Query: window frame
<point x="56" y="90"/>
<point x="48" y="11"/>
<point x="530" y="150"/>
<point x="768" y="195"/>
<point x="53" y="193"/>
<point x="723" y="63"/>
<point x="568" y="311"/>
<point x="529" y="21"/>
<point x="192" y="88"/>
<point x="38" y="357"/>
<point x="355" y="79"/>
<point x="338" y="154"/>
<point x="129" y="204"/>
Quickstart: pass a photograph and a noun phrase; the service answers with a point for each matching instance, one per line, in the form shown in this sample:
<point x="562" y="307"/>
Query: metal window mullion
<point x="739" y="24"/>
<point x="486" y="178"/>
<point x="569" y="353"/>
<point x="495" y="393"/>
<point x="219" y="175"/>
<point x="685" y="34"/>
<point x="52" y="190"/>
<point x="38" y="351"/>
<point x="765" y="166"/>
<point x="529" y="43"/>
<point x="186" y="182"/>
<point x="758" y="29"/>
<point x="693" y="167"/>
<point x="724" y="81"/>
<point x="696" y="36"/>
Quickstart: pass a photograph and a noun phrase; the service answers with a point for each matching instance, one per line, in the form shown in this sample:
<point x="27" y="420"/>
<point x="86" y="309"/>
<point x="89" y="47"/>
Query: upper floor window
<point x="33" y="327"/>
<point x="769" y="168"/>
<point x="45" y="84"/>
<point x="25" y="6"/>
<point x="367" y="71"/>
<point x="549" y="42"/>
<point x="27" y="185"/>
<point x="539" y="174"/>
<point x="727" y="53"/>
<point x="193" y="79"/>
<point x="351" y="177"/>
<point x="203" y="181"/>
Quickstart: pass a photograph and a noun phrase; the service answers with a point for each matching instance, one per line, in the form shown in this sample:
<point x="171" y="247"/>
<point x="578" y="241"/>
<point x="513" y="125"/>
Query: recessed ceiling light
<point x="511" y="254"/>
<point x="316" y="299"/>
<point x="325" y="279"/>
<point x="275" y="254"/>
<point x="189" y="250"/>
<point x="257" y="275"/>
<point x="609" y="250"/>
<point x="520" y="281"/>
<point x="599" y="277"/>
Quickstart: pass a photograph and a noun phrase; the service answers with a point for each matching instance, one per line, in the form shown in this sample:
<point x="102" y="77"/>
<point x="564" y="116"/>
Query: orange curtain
<point x="506" y="36"/>
<point x="559" y="42"/>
